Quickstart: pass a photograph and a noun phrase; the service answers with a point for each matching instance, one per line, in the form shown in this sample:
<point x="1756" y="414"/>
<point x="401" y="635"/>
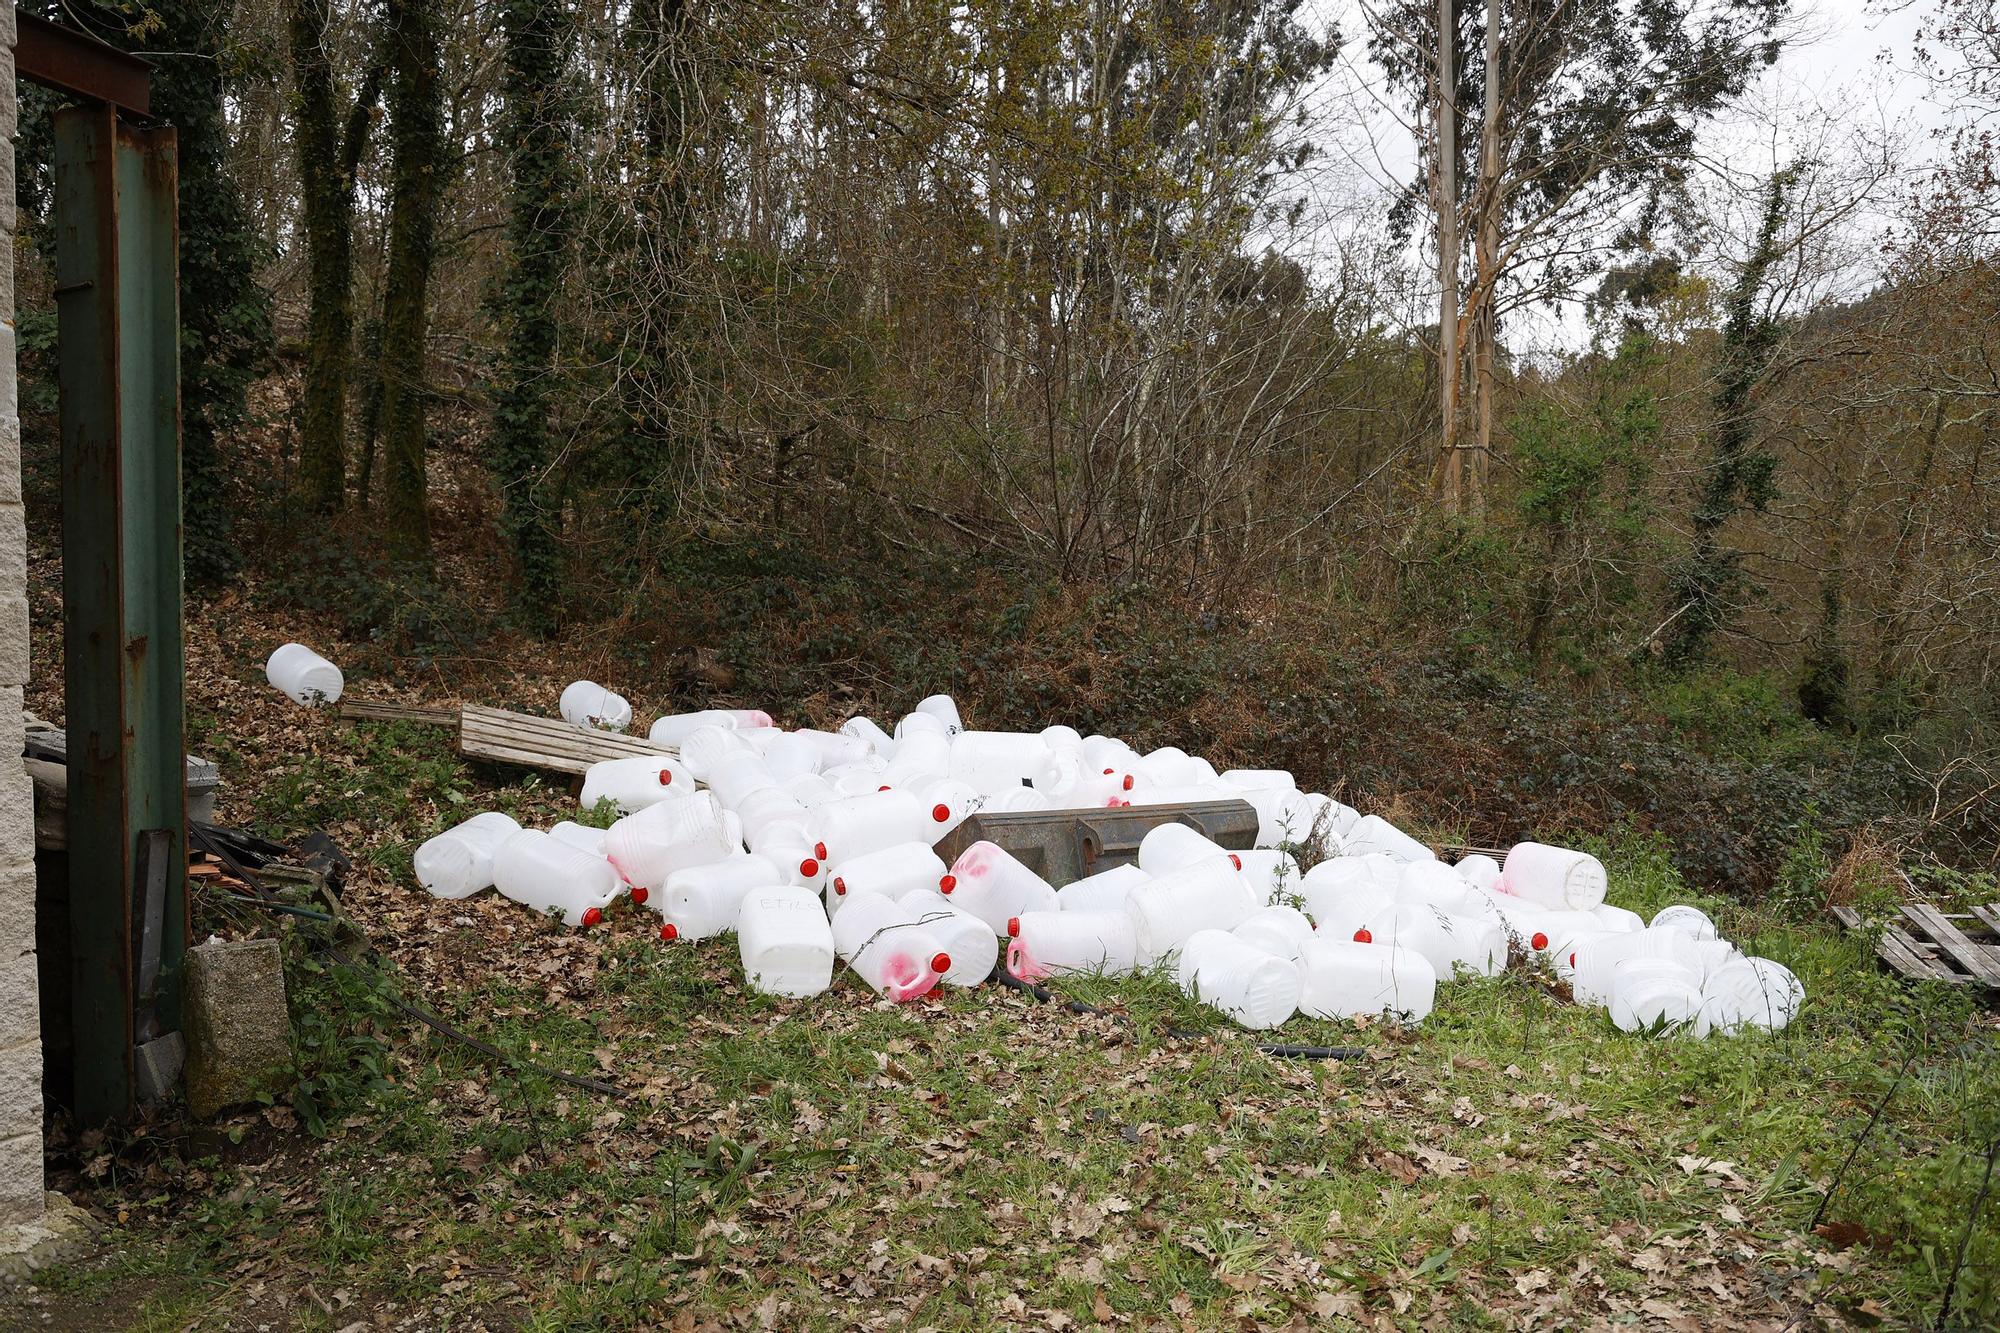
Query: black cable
<point x="432" y="1021"/>
<point x="271" y="906"/>
<point x="1282" y="1052"/>
<point x="1965" y="1237"/>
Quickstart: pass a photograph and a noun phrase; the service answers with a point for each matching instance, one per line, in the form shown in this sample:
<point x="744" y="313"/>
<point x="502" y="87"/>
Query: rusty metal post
<point x="117" y="298"/>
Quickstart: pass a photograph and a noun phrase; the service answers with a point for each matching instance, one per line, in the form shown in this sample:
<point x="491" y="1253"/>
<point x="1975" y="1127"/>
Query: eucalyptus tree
<point x="1591" y="110"/>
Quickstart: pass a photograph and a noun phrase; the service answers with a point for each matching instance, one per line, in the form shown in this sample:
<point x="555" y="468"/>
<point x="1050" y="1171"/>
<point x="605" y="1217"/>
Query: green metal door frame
<point x="118" y="338"/>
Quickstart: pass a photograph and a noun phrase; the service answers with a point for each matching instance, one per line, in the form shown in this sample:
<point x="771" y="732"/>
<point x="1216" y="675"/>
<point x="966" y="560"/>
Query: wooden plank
<point x="1912" y="958"/>
<point x="376" y="710"/>
<point x="1903" y="954"/>
<point x="1981" y="960"/>
<point x="1989" y="917"/>
<point x="500" y="736"/>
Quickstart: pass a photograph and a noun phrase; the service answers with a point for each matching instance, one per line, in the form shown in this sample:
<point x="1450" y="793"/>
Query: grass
<point x="979" y="1159"/>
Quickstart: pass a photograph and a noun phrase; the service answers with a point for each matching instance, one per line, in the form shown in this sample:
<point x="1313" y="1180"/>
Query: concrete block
<point x="238" y="1029"/>
<point x="21" y="1088"/>
<point x="10" y="106"/>
<point x="157" y="1065"/>
<point x="20" y="1000"/>
<point x="10" y="381"/>
<point x="10" y="434"/>
<point x="17" y="806"/>
<point x="13" y="718"/>
<point x="11" y="212"/>
<point x="10" y="37"/>
<point x="13" y="633"/>
<point x="13" y="549"/>
<point x="21" y="1179"/>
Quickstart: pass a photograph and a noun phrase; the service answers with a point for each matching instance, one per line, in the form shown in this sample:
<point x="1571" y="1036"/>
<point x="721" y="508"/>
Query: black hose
<point x="1282" y="1052"/>
<point x="1965" y="1237"/>
<point x="436" y="1024"/>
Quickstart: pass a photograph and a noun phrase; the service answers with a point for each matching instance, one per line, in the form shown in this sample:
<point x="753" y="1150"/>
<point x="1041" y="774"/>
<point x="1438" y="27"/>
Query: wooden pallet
<point x="501" y="737"/>
<point x="1924" y="944"/>
<point x="375" y="710"/>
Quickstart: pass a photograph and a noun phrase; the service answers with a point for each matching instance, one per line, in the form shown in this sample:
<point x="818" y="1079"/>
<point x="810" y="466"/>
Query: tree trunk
<point x="416" y="179"/>
<point x="538" y="117"/>
<point x="655" y="383"/>
<point x="1898" y="576"/>
<point x="1485" y="326"/>
<point x="1453" y="458"/>
<point x="1738" y="474"/>
<point x="327" y="164"/>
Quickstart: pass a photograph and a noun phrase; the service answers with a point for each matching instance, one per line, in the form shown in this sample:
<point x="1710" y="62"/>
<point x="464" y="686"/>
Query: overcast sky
<point x="1851" y="71"/>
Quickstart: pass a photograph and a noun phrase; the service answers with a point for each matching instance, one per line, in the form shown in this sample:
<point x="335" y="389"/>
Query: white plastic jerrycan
<point x="869" y="733"/>
<point x="1340" y="875"/>
<point x="1372" y="833"/>
<point x="585" y="703"/>
<point x="1480" y="871"/>
<point x="1751" y="993"/>
<point x="1208" y="895"/>
<point x="1689" y="921"/>
<point x="1447" y="942"/>
<point x="891" y="872"/>
<point x="1354" y="915"/>
<point x="857" y="825"/>
<point x="785" y="942"/>
<point x="1598" y="955"/>
<point x="991" y="884"/>
<point x="1655" y="995"/>
<point x="1044" y="944"/>
<point x="1273" y="874"/>
<point x="634" y="783"/>
<point x="973" y="946"/>
<point x="1282" y="931"/>
<point x="1105" y="891"/>
<point x="1438" y="884"/>
<point x="579" y="835"/>
<point x="304" y="675"/>
<point x="545" y="875"/>
<point x="1342" y="979"/>
<point x="1618" y="919"/>
<point x="1554" y="876"/>
<point x="888" y="949"/>
<point x="945" y="710"/>
<point x="1254" y="988"/>
<point x="954" y="800"/>
<point x="647" y="847"/>
<point x="704" y="900"/>
<point x="1169" y="847"/>
<point x="458" y="862"/>
<point x="706" y="746"/>
<point x="675" y="728"/>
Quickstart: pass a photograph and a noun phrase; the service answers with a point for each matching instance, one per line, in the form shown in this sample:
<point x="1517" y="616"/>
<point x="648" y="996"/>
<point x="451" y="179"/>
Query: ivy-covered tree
<point x="539" y="116"/>
<point x="418" y="166"/>
<point x="662" y="43"/>
<point x="1739" y="473"/>
<point x="329" y="155"/>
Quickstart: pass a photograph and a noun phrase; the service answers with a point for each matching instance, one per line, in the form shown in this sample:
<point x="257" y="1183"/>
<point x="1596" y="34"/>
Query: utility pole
<point x="1447" y="247"/>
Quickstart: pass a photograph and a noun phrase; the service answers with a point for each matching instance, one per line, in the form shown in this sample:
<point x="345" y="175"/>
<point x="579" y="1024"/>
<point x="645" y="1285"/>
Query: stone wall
<point x="20" y="1036"/>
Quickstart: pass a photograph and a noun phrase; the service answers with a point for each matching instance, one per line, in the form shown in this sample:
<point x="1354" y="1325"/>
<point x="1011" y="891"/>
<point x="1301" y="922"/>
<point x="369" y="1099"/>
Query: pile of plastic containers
<point x="820" y="847"/>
